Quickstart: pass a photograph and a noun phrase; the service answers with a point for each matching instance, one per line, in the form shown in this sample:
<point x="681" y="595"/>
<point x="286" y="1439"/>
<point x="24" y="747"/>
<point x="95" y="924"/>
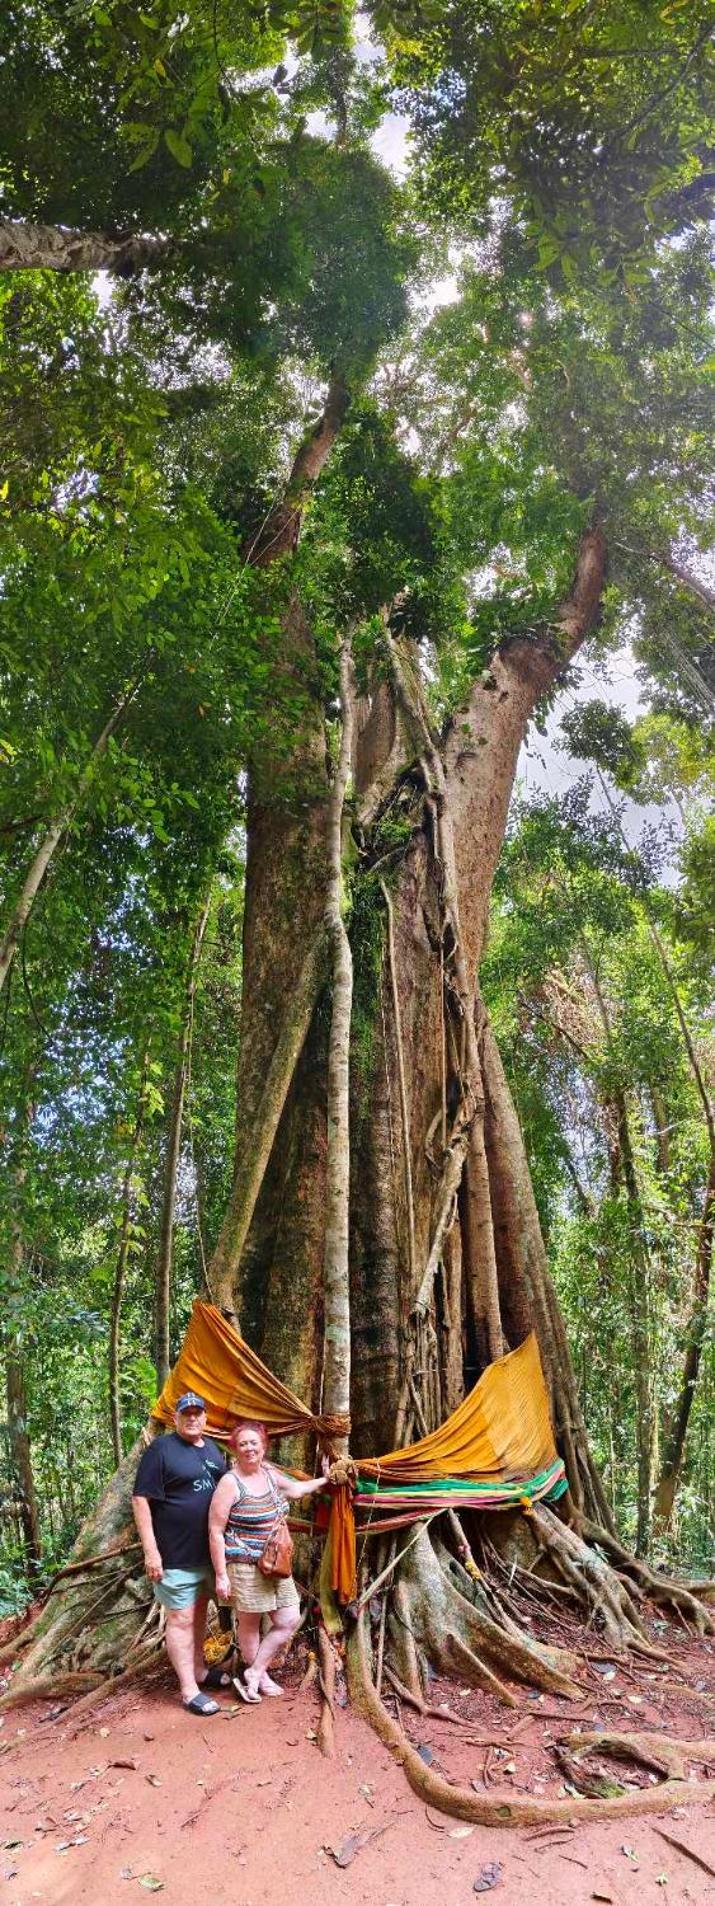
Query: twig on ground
<point x="687" y="1850"/>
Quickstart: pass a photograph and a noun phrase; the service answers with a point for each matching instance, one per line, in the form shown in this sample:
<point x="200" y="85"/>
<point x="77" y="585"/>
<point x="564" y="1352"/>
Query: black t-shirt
<point x="178" y="1480"/>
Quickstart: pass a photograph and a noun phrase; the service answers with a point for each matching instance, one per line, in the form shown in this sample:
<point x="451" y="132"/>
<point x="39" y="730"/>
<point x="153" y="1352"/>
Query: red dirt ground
<point x="137" y="1797"/>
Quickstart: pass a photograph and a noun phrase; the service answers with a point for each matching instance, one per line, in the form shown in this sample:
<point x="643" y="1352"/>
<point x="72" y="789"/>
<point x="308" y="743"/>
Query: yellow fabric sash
<point x="502" y="1430"/>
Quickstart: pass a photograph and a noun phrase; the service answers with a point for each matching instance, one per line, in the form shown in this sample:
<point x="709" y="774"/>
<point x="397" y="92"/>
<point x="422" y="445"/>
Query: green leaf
<point x="179" y="147"/>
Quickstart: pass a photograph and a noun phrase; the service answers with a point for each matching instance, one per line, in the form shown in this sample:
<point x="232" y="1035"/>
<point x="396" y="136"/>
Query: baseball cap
<point x="190" y="1401"/>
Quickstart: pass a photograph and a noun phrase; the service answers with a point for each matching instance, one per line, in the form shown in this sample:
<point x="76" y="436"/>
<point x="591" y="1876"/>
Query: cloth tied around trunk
<point x="496" y="1449"/>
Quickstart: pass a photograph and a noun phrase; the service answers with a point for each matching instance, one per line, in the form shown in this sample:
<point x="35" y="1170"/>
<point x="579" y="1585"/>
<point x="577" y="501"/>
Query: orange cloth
<point x="501" y="1430"/>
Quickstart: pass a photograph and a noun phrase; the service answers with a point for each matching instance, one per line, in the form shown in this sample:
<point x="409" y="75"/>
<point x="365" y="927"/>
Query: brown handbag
<point x="277" y="1555"/>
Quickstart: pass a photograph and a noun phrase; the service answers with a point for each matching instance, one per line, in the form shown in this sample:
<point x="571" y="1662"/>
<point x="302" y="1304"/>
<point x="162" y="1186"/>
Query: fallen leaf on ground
<point x="152" y="1884"/>
<point x="154" y="1780"/>
<point x="460" y="1833"/>
<point x="344" y="1853"/>
<point x="487" y="1877"/>
<point x="125" y="1760"/>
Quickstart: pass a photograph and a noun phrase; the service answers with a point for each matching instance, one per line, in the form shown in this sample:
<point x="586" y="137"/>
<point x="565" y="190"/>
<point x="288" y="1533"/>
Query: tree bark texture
<point x="28" y="247"/>
<point x="336" y="1272"/>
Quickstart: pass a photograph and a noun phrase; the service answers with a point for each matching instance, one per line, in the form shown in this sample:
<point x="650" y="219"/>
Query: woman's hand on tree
<point x="223" y="1588"/>
<point x="325" y="1465"/>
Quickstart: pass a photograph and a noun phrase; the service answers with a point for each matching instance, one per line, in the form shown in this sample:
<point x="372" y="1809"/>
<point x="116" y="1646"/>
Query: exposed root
<point x="656" y="1751"/>
<point x="658" y="1588"/>
<point x="57" y="1687"/>
<point x="494" y="1809"/>
<point x="427" y="1712"/>
<point x="326" y="1678"/>
<point x="448" y="1619"/>
<point x="595" y="1582"/>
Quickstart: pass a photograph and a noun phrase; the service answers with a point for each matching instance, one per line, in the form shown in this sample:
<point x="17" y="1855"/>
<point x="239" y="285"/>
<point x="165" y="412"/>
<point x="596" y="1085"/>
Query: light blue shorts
<point x="181" y="1587"/>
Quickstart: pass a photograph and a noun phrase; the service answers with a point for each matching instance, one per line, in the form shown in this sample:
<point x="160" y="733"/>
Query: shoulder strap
<point x="270" y="1472"/>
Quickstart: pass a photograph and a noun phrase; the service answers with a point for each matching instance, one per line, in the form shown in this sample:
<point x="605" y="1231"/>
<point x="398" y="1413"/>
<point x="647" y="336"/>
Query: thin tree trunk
<point x="48" y="846"/>
<point x="479" y="1251"/>
<point x="125" y="1238"/>
<point x="279" y="533"/>
<point x="336" y="1338"/>
<point x="677" y="1429"/>
<point x="28" y="247"/>
<point x="640" y="1283"/>
<point x="640" y="1313"/>
<point x="162" y="1278"/>
<point x="17" y="1411"/>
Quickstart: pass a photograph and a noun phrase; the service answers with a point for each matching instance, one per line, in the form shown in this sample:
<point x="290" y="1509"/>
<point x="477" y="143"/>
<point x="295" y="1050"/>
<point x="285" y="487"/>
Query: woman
<point x="245" y="1506"/>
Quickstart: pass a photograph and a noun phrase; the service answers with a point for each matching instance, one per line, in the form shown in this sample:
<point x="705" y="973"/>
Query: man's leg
<point x="284" y="1622"/>
<point x="180" y="1646"/>
<point x="199" y="1612"/>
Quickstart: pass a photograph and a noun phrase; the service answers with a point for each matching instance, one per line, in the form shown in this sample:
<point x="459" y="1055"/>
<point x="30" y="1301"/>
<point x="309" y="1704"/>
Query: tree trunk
<point x="640" y="1317"/>
<point x="49" y="844"/>
<point x="162" y="1275"/>
<point x="676" y="1432"/>
<point x="28" y="247"/>
<point x="401" y="1210"/>
<point x="17" y="1411"/>
<point x="336" y="1283"/>
<point x="120" y="1272"/>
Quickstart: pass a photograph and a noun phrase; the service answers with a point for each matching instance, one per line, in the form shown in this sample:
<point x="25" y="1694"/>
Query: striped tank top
<point x="251" y="1520"/>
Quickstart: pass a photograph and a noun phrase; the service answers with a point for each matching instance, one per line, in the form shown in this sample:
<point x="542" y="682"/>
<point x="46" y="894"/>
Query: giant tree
<point x="467" y="573"/>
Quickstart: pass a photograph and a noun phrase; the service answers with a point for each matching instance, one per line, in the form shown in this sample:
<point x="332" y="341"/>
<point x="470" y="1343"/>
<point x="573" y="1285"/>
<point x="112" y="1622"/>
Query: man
<point x="175" y="1481"/>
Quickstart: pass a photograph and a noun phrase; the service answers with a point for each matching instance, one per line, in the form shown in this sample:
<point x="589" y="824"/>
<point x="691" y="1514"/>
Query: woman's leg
<point x="284" y="1622"/>
<point x="249" y="1635"/>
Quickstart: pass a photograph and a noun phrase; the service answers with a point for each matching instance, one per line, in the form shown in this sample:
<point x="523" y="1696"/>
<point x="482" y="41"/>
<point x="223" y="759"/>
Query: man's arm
<point x="153" y="1564"/>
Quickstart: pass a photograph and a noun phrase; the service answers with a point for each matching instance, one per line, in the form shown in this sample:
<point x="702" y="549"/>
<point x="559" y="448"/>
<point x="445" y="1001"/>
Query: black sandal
<point x="201" y="1704"/>
<point x="218" y="1676"/>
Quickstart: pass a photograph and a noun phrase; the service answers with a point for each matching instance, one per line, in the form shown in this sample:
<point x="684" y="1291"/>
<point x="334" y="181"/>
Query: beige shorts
<point x="255" y="1594"/>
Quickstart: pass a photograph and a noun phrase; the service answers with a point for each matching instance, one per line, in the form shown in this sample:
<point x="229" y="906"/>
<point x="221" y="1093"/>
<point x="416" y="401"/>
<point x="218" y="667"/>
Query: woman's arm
<point x="221" y="1504"/>
<point x="293" y="1486"/>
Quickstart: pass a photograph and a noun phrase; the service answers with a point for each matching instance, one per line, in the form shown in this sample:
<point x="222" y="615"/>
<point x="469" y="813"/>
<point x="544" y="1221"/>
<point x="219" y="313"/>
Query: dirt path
<point x="241" y="1808"/>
